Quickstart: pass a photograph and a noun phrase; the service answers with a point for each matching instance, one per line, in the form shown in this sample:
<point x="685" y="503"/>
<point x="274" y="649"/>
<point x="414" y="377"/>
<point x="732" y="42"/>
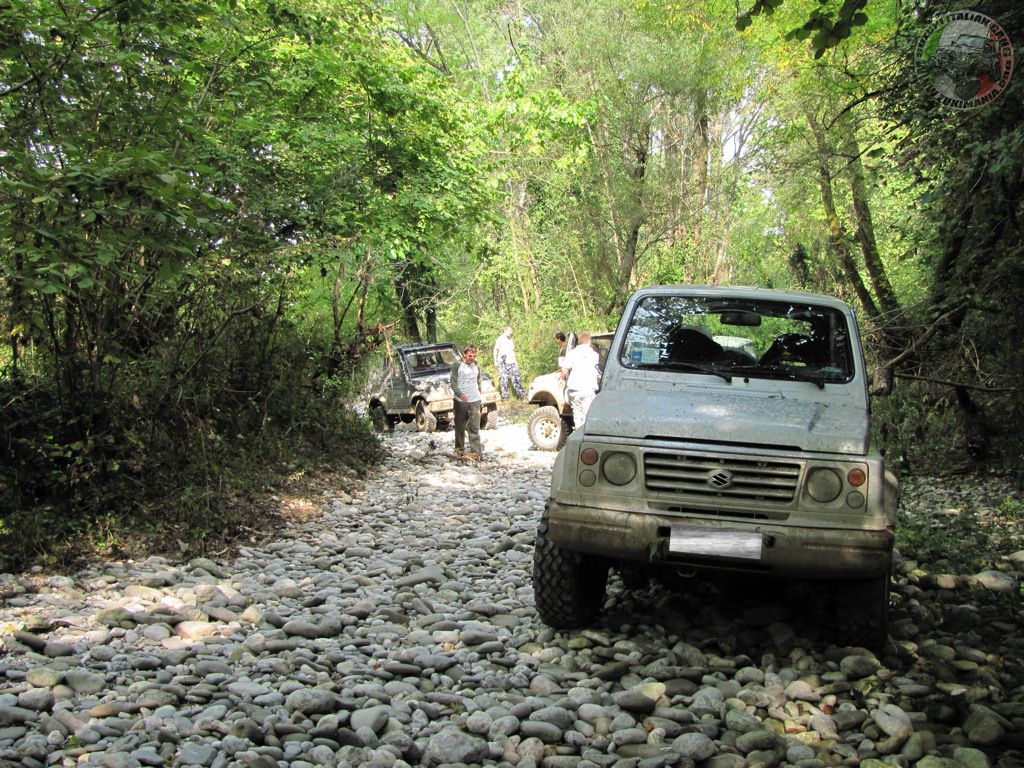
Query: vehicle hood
<point x="440" y="381"/>
<point x="773" y="419"/>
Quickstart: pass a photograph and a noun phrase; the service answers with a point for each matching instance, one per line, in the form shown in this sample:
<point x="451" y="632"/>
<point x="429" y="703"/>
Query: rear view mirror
<point x="742" y="317"/>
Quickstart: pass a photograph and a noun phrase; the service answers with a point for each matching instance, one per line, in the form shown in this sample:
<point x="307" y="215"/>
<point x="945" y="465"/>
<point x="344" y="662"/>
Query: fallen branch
<point x="956" y="384"/>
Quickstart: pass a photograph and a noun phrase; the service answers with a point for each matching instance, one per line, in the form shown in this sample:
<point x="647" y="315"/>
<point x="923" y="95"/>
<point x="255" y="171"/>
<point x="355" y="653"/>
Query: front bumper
<point x="785" y="550"/>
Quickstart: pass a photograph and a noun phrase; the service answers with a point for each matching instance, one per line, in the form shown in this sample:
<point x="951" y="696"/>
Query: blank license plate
<point x="705" y="541"/>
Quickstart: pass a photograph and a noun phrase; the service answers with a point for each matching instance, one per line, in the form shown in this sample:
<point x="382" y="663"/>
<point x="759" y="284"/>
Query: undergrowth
<point x="192" y="479"/>
<point x="965" y="539"/>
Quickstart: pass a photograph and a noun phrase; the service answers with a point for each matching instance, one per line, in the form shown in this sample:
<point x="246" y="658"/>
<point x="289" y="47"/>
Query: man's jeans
<point x="580" y="401"/>
<point x="467" y="417"/>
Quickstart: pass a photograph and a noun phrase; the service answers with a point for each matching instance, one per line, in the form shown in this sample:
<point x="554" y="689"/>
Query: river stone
<point x="967" y="757"/>
<point x="44" y="677"/>
<point x="84" y="682"/>
<point x="857" y="667"/>
<point x="725" y="760"/>
<point x="984" y="728"/>
<point x="996" y="581"/>
<point x="694" y="746"/>
<point x="374" y="718"/>
<point x="452" y="745"/>
<point x="635" y="701"/>
<point x="311" y="701"/>
<point x="195" y="630"/>
<point x="894" y="722"/>
<point x="191" y="753"/>
<point x="934" y="761"/>
<point x="36" y="699"/>
<point x="740" y="721"/>
<point x="755" y="740"/>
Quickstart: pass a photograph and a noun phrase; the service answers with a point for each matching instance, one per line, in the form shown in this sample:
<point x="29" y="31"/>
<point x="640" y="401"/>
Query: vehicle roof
<point x="742" y="292"/>
<point x="425" y="345"/>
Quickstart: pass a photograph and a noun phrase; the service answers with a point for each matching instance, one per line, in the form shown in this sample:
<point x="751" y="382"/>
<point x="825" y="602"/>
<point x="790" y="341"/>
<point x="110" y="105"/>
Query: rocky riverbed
<point x="396" y="627"/>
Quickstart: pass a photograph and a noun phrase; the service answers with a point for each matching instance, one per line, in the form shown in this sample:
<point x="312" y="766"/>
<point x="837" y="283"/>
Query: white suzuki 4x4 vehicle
<point x="730" y="433"/>
<point x="551" y="423"/>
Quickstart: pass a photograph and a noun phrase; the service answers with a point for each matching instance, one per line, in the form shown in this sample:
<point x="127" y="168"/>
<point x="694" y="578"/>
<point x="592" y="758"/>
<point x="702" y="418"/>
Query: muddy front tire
<point x="425" y="420"/>
<point x="568" y="587"/>
<point x="489" y="419"/>
<point x="545" y="429"/>
<point x="379" y="418"/>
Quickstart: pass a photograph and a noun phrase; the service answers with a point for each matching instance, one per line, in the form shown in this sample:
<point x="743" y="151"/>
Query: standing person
<point x="505" y="362"/>
<point x="465" y="381"/>
<point x="581" y="373"/>
<point x="560" y="341"/>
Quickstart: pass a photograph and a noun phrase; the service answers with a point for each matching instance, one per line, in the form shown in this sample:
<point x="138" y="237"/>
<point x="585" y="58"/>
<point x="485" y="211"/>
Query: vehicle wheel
<point x="379" y="419"/>
<point x="425" y="420"/>
<point x="861" y="608"/>
<point x="545" y="429"/>
<point x="489" y="419"/>
<point x="568" y="588"/>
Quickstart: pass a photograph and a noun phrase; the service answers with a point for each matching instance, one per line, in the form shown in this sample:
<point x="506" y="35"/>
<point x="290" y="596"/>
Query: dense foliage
<point x="185" y="188"/>
<point x="214" y="211"/>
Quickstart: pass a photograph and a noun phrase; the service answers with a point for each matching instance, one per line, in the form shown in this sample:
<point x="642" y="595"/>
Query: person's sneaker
<point x="472" y="456"/>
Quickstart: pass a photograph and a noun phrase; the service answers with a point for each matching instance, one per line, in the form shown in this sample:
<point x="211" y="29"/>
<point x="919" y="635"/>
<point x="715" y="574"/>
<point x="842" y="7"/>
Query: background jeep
<point x="731" y="433"/>
<point x="551" y="423"/>
<point x="416" y="387"/>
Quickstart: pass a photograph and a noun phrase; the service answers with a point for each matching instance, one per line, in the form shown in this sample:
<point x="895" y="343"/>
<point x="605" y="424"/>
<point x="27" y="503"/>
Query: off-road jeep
<point x="730" y="433"/>
<point x="551" y="423"/>
<point x="416" y="387"/>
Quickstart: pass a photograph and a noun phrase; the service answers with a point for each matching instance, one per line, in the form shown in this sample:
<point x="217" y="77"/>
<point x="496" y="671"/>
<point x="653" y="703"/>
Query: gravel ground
<point x="397" y="628"/>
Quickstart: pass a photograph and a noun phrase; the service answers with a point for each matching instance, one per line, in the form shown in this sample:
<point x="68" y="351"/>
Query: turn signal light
<point x="856" y="477"/>
<point x="589" y="456"/>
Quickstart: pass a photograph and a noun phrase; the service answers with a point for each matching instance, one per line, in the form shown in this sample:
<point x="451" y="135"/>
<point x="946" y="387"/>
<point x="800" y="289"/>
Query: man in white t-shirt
<point x="465" y="380"/>
<point x="581" y="373"/>
<point x="506" y="365"/>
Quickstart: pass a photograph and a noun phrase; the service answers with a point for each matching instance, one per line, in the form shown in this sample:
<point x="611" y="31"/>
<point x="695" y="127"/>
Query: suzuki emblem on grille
<point x="720" y="478"/>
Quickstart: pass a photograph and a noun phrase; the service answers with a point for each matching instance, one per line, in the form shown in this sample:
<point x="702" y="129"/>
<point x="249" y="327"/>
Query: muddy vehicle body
<point x="416" y="389"/>
<point x="551" y="423"/>
<point x="730" y="434"/>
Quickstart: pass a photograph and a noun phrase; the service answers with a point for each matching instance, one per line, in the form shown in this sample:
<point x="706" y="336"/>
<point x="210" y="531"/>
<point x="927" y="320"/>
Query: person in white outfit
<point x="505" y="363"/>
<point x="581" y="373"/>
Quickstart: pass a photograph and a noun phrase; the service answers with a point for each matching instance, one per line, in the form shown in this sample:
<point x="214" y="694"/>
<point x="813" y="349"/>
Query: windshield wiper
<point x="794" y="374"/>
<point x="683" y="366"/>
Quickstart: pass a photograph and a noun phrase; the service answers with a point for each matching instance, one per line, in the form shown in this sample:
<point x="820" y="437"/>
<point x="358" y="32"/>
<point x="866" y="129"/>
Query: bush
<point x="164" y="469"/>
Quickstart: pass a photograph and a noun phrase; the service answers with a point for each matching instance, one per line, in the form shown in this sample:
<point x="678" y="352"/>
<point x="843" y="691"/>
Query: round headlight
<point x="824" y="484"/>
<point x="618" y="468"/>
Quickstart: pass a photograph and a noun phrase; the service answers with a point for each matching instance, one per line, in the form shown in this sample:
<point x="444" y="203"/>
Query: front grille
<point x="683" y="474"/>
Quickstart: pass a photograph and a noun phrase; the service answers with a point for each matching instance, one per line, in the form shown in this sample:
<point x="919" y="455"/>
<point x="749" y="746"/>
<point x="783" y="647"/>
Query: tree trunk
<point x="636" y="170"/>
<point x="407" y="302"/>
<point x="887" y="301"/>
<point x="837" y="235"/>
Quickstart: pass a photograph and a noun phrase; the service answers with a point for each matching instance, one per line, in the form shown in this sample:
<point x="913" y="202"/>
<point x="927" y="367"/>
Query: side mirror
<point x="881" y="382"/>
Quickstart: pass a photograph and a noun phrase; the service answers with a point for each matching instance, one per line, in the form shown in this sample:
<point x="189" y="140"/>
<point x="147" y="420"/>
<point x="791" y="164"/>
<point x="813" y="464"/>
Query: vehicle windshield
<point x="746" y="338"/>
<point x="430" y="360"/>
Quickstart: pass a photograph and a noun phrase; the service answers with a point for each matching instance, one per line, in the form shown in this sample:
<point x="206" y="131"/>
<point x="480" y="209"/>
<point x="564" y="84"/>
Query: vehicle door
<point x="400" y="394"/>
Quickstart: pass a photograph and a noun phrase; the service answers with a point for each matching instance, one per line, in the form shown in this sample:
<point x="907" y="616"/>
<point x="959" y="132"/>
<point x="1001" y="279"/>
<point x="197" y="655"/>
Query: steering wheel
<point x="789" y="347"/>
